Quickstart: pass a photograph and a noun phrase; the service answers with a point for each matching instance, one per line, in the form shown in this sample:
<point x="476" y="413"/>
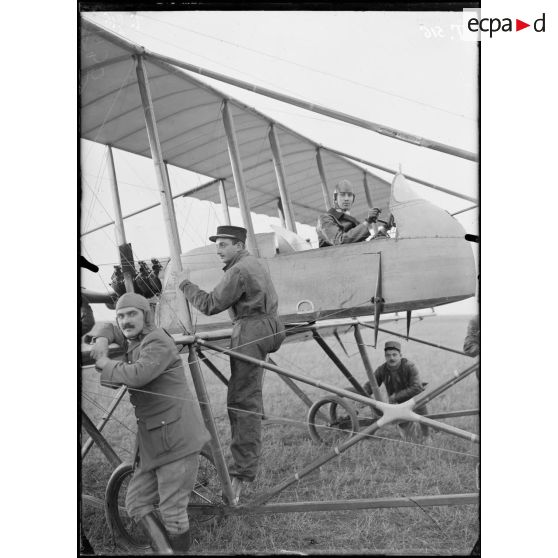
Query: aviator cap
<point x="344" y="186"/>
<point x="228" y="231"/>
<point x="133" y="300"/>
<point x="392" y="345"/>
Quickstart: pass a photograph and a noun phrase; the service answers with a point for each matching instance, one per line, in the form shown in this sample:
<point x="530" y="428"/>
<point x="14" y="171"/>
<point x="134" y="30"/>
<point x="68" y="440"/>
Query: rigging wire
<point x="195" y="313"/>
<point x="96" y="188"/>
<point x="259" y="154"/>
<point x="135" y="255"/>
<point x="108" y="264"/>
<point x="86" y="396"/>
<point x="288" y="420"/>
<point x="301" y="422"/>
<point x="133" y="169"/>
<point x="305" y="67"/>
<point x="306" y="423"/>
<point x="94" y="140"/>
<point x="134" y="184"/>
<point x="307" y="481"/>
<point x="111" y="109"/>
<point x="250" y="75"/>
<point x="264" y="337"/>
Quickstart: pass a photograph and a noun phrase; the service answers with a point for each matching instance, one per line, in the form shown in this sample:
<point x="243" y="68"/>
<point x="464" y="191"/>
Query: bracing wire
<point x="135" y="256"/>
<point x="305" y="67"/>
<point x="133" y="184"/>
<point x="87" y="396"/>
<point x="222" y="357"/>
<point x="122" y="85"/>
<point x="95" y="190"/>
<point x="289" y="420"/>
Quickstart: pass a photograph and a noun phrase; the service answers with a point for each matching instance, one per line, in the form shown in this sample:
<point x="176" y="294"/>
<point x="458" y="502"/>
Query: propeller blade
<point x="409" y="312"/>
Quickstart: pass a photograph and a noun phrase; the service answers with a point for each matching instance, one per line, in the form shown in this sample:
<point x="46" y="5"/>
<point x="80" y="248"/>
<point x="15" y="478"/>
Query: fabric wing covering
<point x="189" y="121"/>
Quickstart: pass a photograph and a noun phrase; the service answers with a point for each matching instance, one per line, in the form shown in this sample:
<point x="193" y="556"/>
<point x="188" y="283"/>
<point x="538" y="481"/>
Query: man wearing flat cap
<point x="247" y="292"/>
<point x="170" y="431"/>
<point x="338" y="226"/>
<point x="402" y="381"/>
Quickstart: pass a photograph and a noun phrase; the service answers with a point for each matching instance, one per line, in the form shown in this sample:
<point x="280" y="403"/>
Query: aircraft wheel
<point x="123" y="527"/>
<point x="341" y="424"/>
<point x="204" y="500"/>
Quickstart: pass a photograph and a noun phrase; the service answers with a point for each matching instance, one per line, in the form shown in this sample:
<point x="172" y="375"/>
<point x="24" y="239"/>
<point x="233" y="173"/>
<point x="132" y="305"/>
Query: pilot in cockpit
<point x="338" y="226"/>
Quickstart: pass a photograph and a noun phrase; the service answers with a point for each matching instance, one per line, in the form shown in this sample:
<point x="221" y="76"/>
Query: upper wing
<point x="192" y="136"/>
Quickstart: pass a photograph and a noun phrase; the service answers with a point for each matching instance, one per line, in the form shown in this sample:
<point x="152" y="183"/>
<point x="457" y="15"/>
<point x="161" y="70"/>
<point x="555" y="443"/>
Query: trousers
<point x="414" y="430"/>
<point x="245" y="409"/>
<point x="166" y="488"/>
<point x="255" y="338"/>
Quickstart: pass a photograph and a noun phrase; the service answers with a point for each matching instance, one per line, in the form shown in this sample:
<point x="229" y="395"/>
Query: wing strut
<point x="183" y="310"/>
<point x="337" y="115"/>
<point x="378" y="300"/>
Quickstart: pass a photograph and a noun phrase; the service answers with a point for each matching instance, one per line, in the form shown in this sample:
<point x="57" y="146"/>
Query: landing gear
<point x="124" y="528"/>
<point x="204" y="502"/>
<point x="335" y="423"/>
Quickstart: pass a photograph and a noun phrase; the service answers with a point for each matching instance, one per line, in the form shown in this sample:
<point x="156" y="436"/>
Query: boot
<point x="237" y="486"/>
<point x="181" y="543"/>
<point x="85" y="545"/>
<point x="157" y="533"/>
<point x="476" y="549"/>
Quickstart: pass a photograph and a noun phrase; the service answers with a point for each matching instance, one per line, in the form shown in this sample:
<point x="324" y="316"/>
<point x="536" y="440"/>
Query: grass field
<point x="379" y="467"/>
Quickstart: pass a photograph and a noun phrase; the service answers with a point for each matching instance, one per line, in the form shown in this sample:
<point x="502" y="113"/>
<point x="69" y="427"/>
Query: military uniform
<point x="170" y="431"/>
<point x="247" y="291"/>
<point x="337" y="227"/>
<point x="87" y="317"/>
<point x="471" y="346"/>
<point x="402" y="384"/>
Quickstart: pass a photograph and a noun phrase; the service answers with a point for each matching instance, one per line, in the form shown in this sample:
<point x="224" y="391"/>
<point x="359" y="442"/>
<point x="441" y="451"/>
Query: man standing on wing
<point x="338" y="226"/>
<point x="247" y="292"/>
<point x="170" y="431"/>
<point x="402" y="381"/>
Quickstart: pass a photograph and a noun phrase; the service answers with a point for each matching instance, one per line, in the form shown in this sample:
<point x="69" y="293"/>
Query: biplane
<point x="152" y="105"/>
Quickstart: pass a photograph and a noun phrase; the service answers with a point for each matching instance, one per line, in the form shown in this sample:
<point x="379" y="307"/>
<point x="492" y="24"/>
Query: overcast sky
<point x="405" y="70"/>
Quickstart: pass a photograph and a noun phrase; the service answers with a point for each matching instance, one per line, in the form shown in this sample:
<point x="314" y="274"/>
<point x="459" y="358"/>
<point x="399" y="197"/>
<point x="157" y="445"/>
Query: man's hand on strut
<point x="182" y="279"/>
<point x="99" y="352"/>
<point x="373" y="215"/>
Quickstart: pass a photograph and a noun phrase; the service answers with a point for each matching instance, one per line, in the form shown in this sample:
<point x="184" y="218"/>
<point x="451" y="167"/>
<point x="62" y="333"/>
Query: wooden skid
<point x="322" y="505"/>
<point x="337" y="505"/>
